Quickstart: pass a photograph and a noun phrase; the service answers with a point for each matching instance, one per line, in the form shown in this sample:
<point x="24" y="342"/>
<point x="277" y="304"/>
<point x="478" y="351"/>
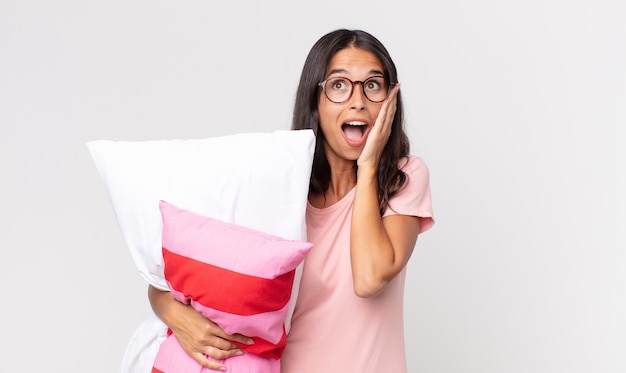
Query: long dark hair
<point x="305" y="115"/>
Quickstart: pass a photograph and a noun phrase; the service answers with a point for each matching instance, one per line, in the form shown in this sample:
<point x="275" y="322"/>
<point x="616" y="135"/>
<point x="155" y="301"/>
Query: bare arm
<point x="197" y="335"/>
<point x="379" y="247"/>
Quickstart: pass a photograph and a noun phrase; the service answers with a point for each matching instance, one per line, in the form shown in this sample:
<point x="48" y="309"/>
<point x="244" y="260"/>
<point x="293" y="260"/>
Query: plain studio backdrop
<point x="517" y="107"/>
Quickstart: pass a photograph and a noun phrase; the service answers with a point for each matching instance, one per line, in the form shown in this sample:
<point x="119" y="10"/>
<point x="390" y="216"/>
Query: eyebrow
<point x="341" y="71"/>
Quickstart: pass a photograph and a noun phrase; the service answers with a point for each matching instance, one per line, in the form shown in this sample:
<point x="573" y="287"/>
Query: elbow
<point x="368" y="288"/>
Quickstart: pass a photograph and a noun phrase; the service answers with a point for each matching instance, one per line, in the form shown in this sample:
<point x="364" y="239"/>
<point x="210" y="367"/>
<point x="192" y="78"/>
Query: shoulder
<point x="414" y="198"/>
<point x="413" y="165"/>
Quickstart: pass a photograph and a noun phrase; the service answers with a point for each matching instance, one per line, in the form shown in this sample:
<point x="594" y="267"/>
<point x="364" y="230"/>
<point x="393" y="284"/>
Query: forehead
<point x="355" y="61"/>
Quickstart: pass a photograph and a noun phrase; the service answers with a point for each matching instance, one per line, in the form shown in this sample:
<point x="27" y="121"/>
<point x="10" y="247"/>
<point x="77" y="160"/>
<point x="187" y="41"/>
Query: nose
<point x="357" y="99"/>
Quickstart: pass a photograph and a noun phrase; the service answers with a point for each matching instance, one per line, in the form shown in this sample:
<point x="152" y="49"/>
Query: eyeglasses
<point x="339" y="89"/>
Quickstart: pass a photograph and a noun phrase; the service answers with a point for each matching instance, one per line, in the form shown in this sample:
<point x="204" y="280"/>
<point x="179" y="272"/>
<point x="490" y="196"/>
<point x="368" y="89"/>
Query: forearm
<point x="197" y="335"/>
<point x="379" y="247"/>
<point x="164" y="305"/>
<point x="372" y="255"/>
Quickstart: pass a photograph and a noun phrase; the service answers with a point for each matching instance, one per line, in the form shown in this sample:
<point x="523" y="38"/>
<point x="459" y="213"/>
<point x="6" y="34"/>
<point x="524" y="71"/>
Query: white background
<point x="518" y="108"/>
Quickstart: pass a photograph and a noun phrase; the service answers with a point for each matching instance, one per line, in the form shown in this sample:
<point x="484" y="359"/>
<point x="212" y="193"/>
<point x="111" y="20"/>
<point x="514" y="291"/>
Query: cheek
<point x="325" y="113"/>
<point x="375" y="110"/>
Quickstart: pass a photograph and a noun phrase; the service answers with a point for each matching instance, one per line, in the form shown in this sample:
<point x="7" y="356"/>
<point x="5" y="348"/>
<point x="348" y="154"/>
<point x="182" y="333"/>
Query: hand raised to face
<point x="379" y="134"/>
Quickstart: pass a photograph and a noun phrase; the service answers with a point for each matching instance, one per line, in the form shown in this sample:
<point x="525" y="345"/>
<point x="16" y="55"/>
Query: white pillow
<point x="256" y="180"/>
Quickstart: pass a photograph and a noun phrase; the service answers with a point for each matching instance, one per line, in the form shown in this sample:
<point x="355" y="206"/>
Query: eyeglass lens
<point x="340" y="89"/>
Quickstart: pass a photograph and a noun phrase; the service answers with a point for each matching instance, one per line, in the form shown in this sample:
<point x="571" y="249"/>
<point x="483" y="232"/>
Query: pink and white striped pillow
<point x="237" y="277"/>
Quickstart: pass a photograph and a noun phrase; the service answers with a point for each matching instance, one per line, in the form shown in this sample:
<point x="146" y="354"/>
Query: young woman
<point x="368" y="201"/>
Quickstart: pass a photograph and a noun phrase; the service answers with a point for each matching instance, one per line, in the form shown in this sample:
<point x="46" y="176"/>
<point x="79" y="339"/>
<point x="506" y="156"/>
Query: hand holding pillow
<point x="255" y="180"/>
<point x="237" y="277"/>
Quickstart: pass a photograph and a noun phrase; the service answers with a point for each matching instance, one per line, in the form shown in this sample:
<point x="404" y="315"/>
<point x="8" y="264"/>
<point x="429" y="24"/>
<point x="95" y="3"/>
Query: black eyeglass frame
<point x="322" y="84"/>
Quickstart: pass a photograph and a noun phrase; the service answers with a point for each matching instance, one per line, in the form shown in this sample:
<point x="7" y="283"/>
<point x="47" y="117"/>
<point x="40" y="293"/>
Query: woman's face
<point x="346" y="125"/>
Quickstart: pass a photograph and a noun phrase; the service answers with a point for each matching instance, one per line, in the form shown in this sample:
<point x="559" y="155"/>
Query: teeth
<point x="356" y="124"/>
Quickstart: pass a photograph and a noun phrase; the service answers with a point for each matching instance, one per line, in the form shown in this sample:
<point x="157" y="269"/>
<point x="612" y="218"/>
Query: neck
<point x="342" y="180"/>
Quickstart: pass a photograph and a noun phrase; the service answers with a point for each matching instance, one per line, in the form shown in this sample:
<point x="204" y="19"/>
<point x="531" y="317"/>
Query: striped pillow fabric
<point x="238" y="277"/>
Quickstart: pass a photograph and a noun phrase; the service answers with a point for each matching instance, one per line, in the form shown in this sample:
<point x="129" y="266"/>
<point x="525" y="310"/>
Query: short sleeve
<point x="414" y="198"/>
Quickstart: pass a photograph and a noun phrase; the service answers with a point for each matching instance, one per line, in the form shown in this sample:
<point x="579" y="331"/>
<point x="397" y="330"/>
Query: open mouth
<point x="354" y="130"/>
